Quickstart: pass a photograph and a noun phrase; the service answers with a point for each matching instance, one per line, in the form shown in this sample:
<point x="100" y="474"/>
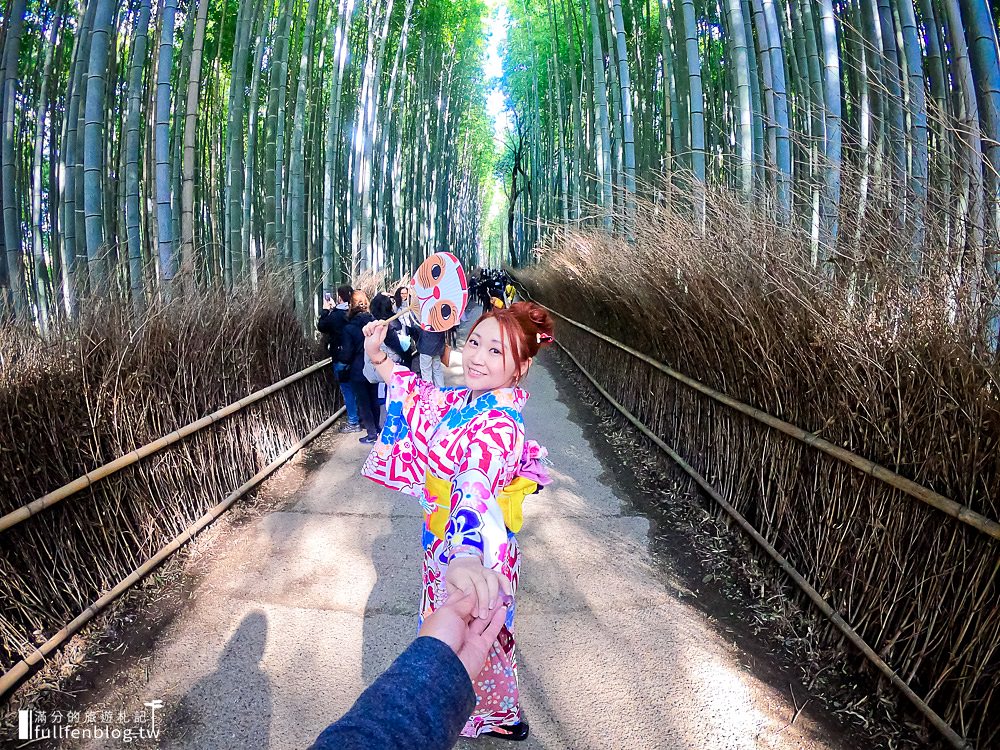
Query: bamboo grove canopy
<point x="195" y="143"/>
<point x="819" y="109"/>
<point x="198" y="142"/>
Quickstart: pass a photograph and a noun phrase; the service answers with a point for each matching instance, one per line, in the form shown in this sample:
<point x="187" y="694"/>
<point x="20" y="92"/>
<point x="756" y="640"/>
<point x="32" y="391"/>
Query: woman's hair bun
<point x="538" y="317"/>
<point x="525" y="325"/>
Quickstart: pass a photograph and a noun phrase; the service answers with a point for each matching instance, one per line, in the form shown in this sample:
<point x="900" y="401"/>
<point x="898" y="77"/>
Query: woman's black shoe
<point x="513" y="732"/>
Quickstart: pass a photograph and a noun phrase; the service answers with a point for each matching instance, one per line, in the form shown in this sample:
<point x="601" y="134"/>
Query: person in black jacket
<point x="382" y="308"/>
<point x="407" y="325"/>
<point x="482" y="290"/>
<point x="331" y="322"/>
<point x="352" y="354"/>
<point x="424" y="698"/>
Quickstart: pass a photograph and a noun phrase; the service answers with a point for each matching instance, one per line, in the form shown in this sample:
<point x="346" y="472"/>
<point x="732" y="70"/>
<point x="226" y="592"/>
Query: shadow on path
<point x="390" y="616"/>
<point x="214" y="715"/>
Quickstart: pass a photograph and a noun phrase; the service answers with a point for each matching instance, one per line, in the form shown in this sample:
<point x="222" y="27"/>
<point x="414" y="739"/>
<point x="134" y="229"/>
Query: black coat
<point x="352" y="346"/>
<point x="431" y="343"/>
<point x="332" y="322"/>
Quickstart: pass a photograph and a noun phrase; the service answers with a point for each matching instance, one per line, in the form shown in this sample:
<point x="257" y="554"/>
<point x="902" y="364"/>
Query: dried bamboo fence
<point x="901" y="537"/>
<point x="117" y="381"/>
<point x="860" y="552"/>
<point x="838" y="622"/>
<point x="204" y="456"/>
<point x="22" y="669"/>
<point x="77" y="485"/>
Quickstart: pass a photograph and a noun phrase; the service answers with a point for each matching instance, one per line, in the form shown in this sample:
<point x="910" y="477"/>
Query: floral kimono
<point x="461" y="460"/>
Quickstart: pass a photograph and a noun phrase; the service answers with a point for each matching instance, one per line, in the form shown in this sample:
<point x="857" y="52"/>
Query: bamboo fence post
<point x="77" y="485"/>
<point x="13" y="677"/>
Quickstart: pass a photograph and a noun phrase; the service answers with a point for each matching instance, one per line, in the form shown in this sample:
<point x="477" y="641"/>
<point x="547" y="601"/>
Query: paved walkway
<point x="305" y="607"/>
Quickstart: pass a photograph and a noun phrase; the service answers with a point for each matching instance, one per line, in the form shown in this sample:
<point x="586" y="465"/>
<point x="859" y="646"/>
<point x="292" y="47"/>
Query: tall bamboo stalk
<point x="164" y="207"/>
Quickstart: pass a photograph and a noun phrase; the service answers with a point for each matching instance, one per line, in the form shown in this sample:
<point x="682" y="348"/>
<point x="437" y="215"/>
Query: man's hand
<point x="466" y="575"/>
<point x="374" y="338"/>
<point x="469" y="637"/>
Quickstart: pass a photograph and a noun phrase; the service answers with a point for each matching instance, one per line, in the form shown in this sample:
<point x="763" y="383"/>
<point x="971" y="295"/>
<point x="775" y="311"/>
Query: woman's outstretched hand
<point x="466" y="575"/>
<point x="374" y="337"/>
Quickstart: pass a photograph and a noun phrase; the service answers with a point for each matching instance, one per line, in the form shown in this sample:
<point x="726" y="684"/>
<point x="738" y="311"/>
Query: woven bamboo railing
<point x="954" y="739"/>
<point x="944" y="504"/>
<point x="13" y="677"/>
<point x="77" y="485"/>
<point x="16" y="674"/>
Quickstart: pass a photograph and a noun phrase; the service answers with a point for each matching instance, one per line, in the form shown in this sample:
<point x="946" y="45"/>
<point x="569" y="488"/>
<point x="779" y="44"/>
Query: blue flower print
<point x="396" y="427"/>
<point x="464" y="528"/>
<point x="428" y="501"/>
<point x="506" y="703"/>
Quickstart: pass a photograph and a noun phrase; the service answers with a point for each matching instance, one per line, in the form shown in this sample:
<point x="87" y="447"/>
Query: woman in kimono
<point x="461" y="452"/>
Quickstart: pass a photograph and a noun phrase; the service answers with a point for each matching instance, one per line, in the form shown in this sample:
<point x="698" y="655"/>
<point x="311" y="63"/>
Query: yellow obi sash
<point x="510" y="499"/>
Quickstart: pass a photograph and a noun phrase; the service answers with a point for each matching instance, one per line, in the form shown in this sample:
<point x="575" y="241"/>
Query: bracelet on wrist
<point x="381" y="361"/>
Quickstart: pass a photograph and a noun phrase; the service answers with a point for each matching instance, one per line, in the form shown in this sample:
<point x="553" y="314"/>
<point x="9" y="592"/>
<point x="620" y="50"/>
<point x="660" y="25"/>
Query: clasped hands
<point x="467" y="575"/>
<point x="470" y="621"/>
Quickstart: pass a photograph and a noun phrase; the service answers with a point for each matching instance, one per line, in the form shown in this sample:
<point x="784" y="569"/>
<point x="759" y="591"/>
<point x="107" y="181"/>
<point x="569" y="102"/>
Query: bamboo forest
<point x="199" y="143"/>
<point x="766" y="234"/>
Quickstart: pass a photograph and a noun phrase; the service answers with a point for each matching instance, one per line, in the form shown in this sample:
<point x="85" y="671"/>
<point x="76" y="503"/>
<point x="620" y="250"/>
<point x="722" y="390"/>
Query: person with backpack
<point x="332" y="321"/>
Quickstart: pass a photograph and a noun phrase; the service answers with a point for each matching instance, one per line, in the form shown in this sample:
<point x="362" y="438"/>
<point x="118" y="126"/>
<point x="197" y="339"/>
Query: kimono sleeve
<point x="414" y="408"/>
<point x="403" y="382"/>
<point x="476" y="527"/>
<point x="421" y="403"/>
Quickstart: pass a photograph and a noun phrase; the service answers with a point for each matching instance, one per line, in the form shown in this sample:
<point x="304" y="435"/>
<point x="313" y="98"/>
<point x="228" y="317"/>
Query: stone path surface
<point x="304" y="607"/>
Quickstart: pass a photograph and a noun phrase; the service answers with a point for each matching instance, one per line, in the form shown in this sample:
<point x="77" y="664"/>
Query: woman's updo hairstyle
<point x="524" y="327"/>
<point x="359" y="303"/>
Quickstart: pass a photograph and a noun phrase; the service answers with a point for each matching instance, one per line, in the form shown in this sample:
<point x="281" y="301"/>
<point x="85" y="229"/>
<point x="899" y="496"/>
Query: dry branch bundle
<point x="111" y="382"/>
<point x="895" y="366"/>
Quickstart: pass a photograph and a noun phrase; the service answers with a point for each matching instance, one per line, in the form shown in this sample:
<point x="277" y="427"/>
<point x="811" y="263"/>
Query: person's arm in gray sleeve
<point x="424" y="699"/>
<point x="422" y="702"/>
